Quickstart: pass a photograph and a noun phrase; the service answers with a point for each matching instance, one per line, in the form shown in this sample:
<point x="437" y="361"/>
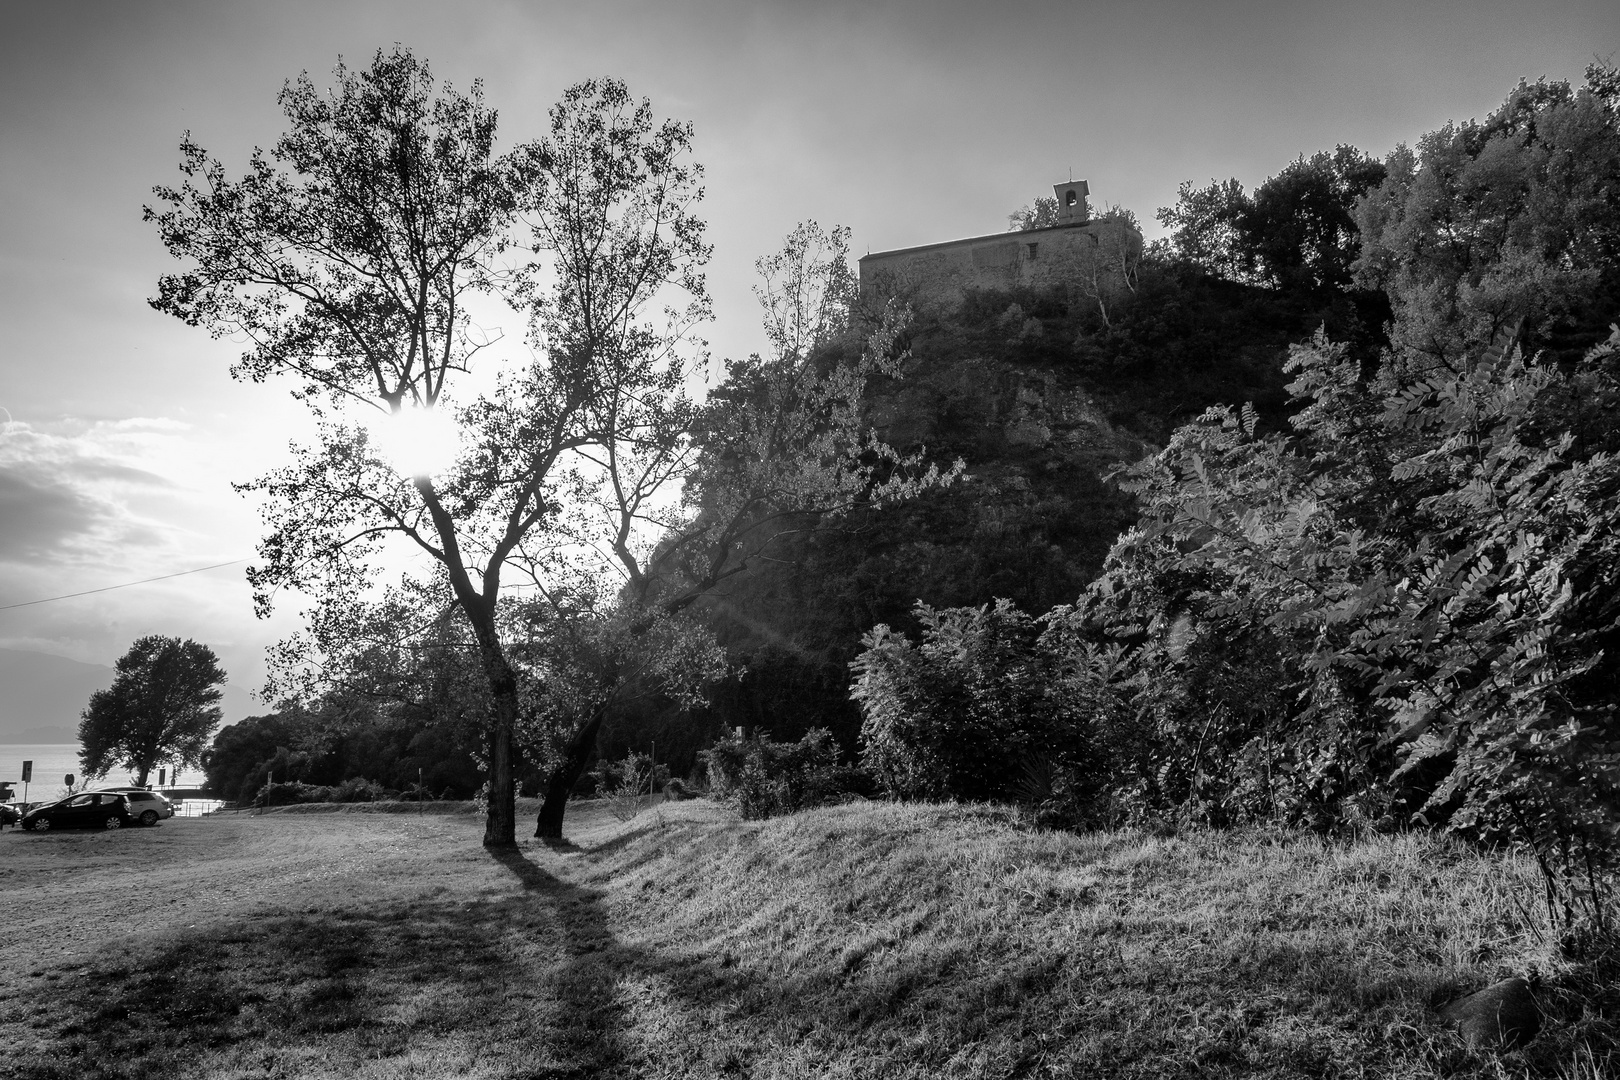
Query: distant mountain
<point x="41" y="695"/>
<point x="37" y="735"/>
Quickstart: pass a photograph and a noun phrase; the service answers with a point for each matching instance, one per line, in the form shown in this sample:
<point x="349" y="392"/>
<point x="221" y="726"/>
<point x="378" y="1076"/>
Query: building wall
<point x="1081" y="256"/>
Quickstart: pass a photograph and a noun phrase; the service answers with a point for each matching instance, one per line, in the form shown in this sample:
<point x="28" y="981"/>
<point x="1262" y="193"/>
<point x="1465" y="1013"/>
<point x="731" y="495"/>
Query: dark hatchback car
<point x="95" y="810"/>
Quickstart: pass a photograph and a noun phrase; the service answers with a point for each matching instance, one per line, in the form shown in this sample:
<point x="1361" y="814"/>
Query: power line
<point x="125" y="585"/>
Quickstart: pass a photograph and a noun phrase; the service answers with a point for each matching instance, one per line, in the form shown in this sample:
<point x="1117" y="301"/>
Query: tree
<point x="807" y="289"/>
<point x="1206" y="228"/>
<point x="242" y="748"/>
<point x="1296" y="232"/>
<point x="349" y="259"/>
<point x="1111" y="267"/>
<point x="599" y="661"/>
<point x="162" y="707"/>
<point x="781" y="449"/>
<point x="1043" y="214"/>
<point x="1506" y="229"/>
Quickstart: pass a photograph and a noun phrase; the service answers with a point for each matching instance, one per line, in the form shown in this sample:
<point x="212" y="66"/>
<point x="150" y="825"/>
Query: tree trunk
<point x="563" y="778"/>
<point x="500" y="827"/>
<point x="140" y="781"/>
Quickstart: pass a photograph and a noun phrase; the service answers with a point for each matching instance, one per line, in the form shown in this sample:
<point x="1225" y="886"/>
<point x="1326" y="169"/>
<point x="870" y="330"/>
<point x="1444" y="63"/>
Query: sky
<point x="122" y="430"/>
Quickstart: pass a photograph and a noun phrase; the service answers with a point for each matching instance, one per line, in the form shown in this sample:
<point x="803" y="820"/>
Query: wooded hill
<point x="1307" y="522"/>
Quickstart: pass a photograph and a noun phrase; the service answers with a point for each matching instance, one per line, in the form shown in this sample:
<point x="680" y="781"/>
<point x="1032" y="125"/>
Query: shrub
<point x="1435" y="562"/>
<point x="628" y="783"/>
<point x="359" y="789"/>
<point x="964" y="713"/>
<point x="356" y="789"/>
<point x="762" y="778"/>
<point x="1179" y="724"/>
<point x="289" y="792"/>
<point x="634" y="772"/>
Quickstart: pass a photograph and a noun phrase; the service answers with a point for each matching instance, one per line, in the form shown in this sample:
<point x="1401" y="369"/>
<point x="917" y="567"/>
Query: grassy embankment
<point x="870" y="940"/>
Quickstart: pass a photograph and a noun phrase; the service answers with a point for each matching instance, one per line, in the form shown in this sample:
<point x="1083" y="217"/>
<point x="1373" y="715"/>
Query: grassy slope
<point x="871" y="940"/>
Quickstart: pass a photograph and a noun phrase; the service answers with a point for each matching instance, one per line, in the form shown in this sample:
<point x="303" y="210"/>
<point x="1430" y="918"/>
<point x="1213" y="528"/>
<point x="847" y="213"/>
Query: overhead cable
<point x="125" y="585"/>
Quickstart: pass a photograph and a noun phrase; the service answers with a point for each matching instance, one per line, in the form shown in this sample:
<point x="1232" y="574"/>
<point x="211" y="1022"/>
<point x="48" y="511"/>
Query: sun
<point x="419" y="442"/>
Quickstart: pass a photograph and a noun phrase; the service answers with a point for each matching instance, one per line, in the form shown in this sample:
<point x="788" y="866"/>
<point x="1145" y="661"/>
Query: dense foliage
<point x="763" y="778"/>
<point x="1398" y="608"/>
<point x="1296" y="231"/>
<point x="963" y="714"/>
<point x="1438" y="561"/>
<point x="1509" y="225"/>
<point x="368" y="749"/>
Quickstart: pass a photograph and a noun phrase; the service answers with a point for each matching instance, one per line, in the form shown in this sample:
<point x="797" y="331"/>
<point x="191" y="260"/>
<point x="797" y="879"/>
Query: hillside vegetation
<point x="866" y="940"/>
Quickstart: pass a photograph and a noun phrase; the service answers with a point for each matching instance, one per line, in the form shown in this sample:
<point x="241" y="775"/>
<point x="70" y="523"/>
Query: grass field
<point x="869" y="940"/>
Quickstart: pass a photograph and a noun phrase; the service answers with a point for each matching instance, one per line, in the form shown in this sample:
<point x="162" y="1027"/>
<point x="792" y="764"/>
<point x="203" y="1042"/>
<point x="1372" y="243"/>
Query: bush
<point x="762" y="778"/>
<point x="966" y="713"/>
<point x="628" y="784"/>
<point x="636" y="772"/>
<point x="1432" y="567"/>
<point x="357" y="789"/>
<point x="292" y="791"/>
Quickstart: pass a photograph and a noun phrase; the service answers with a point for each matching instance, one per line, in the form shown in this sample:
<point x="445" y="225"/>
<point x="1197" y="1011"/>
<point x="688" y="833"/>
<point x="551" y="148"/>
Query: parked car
<point x="146" y="807"/>
<point x="9" y="815"/>
<point x="88" y="810"/>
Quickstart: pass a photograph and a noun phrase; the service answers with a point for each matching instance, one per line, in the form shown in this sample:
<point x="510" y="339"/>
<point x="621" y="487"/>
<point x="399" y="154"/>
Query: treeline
<point x="361" y="756"/>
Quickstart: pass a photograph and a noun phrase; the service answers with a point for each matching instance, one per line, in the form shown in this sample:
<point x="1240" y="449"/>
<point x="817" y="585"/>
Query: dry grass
<point x="861" y="941"/>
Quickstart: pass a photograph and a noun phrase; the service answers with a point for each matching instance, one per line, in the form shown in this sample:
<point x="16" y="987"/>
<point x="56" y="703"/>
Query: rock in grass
<point x="1501" y="1016"/>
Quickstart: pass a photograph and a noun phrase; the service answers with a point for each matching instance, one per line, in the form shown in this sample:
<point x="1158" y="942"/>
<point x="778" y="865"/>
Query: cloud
<point x="87" y="505"/>
<point x="35" y="519"/>
<point x="77" y="492"/>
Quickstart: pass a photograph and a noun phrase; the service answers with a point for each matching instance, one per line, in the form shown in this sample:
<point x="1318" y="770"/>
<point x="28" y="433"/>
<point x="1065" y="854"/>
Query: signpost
<point x="28" y="774"/>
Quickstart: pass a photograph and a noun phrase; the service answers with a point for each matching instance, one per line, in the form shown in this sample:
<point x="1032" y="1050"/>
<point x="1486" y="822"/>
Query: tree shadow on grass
<point x="519" y="986"/>
<point x="537" y="985"/>
<point x="589" y="1020"/>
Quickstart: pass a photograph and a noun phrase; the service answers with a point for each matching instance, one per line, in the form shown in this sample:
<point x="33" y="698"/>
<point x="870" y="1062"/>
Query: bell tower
<point x="1071" y="202"/>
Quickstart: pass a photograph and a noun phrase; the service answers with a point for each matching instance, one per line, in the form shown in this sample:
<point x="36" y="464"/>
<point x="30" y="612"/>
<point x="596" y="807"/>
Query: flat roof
<point x="1011" y="234"/>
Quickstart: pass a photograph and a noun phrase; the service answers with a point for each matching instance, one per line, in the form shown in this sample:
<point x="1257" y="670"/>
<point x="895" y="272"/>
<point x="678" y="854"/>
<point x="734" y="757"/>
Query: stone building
<point x="1078" y="253"/>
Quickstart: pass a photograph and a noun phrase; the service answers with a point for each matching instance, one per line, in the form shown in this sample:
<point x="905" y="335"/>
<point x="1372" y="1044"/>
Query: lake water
<point x="53" y="761"/>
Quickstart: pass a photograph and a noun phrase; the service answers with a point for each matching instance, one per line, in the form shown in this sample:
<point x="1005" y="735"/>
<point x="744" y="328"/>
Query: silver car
<point x="145" y="807"/>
